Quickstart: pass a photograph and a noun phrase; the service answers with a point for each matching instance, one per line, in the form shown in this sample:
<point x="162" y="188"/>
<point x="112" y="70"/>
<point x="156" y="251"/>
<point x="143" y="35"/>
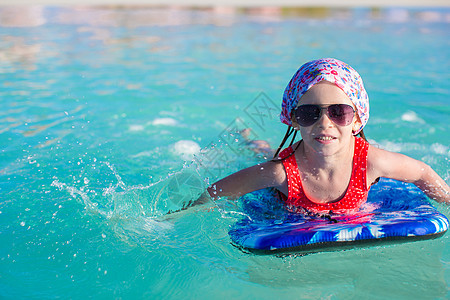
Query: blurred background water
<point x="112" y="116"/>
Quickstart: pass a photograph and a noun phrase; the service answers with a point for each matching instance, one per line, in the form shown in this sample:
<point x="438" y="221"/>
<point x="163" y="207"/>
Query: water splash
<point x="134" y="212"/>
<point x="116" y="200"/>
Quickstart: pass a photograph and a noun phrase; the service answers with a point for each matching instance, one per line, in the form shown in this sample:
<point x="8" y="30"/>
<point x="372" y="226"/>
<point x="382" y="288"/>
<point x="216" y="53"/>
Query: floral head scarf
<point x="331" y="70"/>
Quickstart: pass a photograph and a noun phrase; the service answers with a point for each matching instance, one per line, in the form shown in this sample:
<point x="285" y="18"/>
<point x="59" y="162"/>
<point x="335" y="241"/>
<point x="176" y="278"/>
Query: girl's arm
<point x="397" y="166"/>
<point x="268" y="174"/>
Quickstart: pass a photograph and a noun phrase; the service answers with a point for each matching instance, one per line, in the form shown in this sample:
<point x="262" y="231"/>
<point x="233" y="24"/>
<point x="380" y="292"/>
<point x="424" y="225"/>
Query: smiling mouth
<point x="324" y="138"/>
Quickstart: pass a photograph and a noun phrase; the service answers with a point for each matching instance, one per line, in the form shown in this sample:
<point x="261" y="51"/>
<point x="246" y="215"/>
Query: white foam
<point x="143" y="154"/>
<point x="136" y="127"/>
<point x="186" y="149"/>
<point x="440" y="149"/>
<point x="152" y="225"/>
<point x="411" y="116"/>
<point x="435" y="148"/>
<point x="164" y="121"/>
<point x="391" y="146"/>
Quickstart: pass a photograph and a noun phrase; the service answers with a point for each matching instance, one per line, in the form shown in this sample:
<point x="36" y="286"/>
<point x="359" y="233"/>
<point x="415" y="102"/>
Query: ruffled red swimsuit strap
<point x="357" y="189"/>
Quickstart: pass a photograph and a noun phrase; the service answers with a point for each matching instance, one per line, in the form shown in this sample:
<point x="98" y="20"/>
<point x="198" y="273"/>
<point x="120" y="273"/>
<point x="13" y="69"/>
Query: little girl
<point x="330" y="169"/>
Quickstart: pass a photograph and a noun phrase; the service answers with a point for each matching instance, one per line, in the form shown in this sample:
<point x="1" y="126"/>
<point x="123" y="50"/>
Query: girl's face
<point x="325" y="136"/>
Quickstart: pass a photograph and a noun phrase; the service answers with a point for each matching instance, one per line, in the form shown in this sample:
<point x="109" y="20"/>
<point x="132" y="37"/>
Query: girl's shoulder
<point x="269" y="174"/>
<point x="384" y="163"/>
<point x="377" y="157"/>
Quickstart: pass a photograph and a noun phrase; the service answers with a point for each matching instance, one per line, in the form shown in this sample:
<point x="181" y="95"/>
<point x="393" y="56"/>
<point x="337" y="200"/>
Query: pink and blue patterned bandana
<point x="331" y="70"/>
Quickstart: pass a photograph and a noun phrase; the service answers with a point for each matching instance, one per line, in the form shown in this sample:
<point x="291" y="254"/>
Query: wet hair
<point x="288" y="133"/>
<point x="362" y="135"/>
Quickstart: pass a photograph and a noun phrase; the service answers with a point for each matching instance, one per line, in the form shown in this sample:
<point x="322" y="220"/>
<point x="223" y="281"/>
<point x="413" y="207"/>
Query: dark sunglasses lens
<point x="307" y="114"/>
<point x="341" y="114"/>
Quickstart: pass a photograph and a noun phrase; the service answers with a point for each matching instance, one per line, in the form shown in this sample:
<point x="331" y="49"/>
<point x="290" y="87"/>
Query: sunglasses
<point x="308" y="114"/>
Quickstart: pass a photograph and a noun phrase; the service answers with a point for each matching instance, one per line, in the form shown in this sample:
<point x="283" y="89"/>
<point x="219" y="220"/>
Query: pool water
<point x="113" y="116"/>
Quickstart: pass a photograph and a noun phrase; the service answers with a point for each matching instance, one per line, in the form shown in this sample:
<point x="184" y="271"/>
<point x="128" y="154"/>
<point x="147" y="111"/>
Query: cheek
<point x="303" y="131"/>
<point x="307" y="132"/>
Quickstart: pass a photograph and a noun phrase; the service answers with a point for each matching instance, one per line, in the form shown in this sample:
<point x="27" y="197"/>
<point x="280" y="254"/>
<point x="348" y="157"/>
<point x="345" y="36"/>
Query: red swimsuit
<point x="354" y="197"/>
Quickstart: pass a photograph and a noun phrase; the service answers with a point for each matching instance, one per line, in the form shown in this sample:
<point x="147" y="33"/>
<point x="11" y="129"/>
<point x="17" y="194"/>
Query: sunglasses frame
<point x="322" y="108"/>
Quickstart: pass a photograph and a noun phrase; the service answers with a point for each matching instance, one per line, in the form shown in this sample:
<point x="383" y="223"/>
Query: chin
<point x="326" y="148"/>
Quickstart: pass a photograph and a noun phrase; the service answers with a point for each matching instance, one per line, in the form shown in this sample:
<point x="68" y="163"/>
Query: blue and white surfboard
<point x="395" y="211"/>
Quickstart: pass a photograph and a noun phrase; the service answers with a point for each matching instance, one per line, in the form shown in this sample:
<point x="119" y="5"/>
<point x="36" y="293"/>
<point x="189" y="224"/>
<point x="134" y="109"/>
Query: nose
<point x="324" y="121"/>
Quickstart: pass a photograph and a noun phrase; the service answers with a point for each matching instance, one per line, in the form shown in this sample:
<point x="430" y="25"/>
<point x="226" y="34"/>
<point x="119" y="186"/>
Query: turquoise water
<point x="111" y="117"/>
